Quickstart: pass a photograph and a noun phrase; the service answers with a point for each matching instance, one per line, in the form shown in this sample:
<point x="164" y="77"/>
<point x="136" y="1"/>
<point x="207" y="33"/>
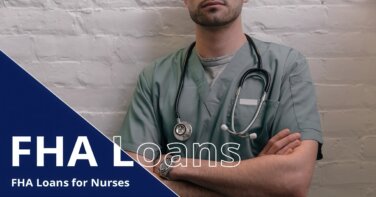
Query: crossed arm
<point x="283" y="168"/>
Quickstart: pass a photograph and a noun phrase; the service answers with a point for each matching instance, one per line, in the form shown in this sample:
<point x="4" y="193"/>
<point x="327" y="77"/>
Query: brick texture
<point x="89" y="53"/>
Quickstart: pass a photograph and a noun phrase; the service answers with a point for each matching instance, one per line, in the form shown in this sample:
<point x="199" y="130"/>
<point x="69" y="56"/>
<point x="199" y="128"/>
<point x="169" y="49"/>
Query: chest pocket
<point x="246" y="109"/>
<point x="263" y="122"/>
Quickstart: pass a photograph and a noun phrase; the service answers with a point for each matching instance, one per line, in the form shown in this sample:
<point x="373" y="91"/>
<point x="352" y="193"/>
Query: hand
<point x="283" y="143"/>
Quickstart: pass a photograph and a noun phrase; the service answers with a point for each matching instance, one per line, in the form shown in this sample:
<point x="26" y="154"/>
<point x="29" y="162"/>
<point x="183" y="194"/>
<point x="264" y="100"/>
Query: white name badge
<point x="250" y="102"/>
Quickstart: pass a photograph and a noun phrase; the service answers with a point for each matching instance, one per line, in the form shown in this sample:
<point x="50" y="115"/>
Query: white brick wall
<point x="89" y="53"/>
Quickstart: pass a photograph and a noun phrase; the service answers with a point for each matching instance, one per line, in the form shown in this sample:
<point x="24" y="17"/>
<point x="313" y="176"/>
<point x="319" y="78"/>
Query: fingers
<point x="284" y="142"/>
<point x="280" y="144"/>
<point x="289" y="148"/>
<point x="274" y="139"/>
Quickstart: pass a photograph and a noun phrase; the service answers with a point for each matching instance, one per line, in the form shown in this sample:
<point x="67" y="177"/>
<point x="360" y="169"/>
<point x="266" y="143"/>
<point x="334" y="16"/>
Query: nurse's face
<point x="214" y="13"/>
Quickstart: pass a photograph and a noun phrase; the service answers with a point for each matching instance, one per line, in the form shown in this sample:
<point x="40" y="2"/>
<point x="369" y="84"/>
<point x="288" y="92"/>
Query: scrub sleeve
<point x="297" y="109"/>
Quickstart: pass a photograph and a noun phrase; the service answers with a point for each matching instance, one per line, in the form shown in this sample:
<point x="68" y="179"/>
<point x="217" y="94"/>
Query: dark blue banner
<point x="47" y="149"/>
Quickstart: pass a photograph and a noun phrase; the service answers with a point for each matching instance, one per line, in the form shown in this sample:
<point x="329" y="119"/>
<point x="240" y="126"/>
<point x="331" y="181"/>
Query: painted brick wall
<point x="89" y="52"/>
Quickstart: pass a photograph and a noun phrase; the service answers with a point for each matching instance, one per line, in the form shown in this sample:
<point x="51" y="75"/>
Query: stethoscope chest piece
<point x="183" y="131"/>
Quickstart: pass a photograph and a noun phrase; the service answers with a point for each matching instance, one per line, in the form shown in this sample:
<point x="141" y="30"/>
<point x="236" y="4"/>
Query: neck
<point x="219" y="41"/>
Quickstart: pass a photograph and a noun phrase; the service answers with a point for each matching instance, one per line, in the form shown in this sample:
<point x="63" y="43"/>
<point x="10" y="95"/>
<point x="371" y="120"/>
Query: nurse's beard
<point x="213" y="17"/>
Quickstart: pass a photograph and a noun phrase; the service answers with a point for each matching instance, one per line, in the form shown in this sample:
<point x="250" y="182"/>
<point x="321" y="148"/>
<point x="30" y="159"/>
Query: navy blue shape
<point x="27" y="108"/>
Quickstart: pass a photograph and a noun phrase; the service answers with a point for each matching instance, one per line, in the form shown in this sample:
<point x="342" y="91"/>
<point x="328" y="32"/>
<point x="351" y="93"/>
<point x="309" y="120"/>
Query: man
<point x="278" y="162"/>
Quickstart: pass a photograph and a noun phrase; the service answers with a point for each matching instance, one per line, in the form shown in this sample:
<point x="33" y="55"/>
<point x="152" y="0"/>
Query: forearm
<point x="271" y="175"/>
<point x="186" y="189"/>
<point x="182" y="188"/>
<point x="248" y="177"/>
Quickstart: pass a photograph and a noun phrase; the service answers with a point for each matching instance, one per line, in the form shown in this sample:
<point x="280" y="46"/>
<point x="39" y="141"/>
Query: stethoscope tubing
<point x="181" y="82"/>
<point x="259" y="70"/>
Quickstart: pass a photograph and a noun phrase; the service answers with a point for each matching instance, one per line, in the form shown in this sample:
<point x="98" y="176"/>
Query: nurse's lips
<point x="212" y="3"/>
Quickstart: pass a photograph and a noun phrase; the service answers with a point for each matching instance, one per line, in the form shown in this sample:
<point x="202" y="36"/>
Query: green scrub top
<point x="291" y="104"/>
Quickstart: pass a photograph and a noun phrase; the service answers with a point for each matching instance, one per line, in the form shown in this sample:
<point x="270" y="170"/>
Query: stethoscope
<point x="183" y="130"/>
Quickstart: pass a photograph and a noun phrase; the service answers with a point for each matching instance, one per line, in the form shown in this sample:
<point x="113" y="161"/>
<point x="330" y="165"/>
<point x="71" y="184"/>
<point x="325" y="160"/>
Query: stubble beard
<point x="212" y="18"/>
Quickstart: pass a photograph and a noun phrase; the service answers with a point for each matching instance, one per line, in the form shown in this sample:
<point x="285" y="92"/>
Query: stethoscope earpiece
<point x="224" y="127"/>
<point x="251" y="136"/>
